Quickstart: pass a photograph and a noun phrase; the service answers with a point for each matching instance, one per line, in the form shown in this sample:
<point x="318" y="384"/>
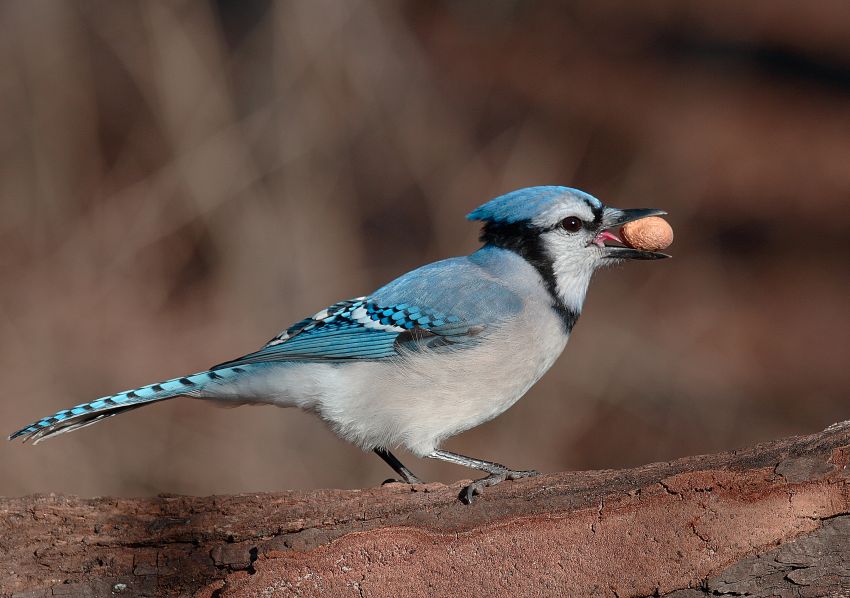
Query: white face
<point x="564" y="237"/>
<point x="574" y="257"/>
<point x="573" y="235"/>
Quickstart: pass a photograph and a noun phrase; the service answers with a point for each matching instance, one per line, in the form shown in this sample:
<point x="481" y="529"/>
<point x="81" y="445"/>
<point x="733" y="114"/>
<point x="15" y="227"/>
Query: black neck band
<point x="525" y="241"/>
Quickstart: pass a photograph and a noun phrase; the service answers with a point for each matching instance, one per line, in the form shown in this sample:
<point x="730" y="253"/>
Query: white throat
<point x="572" y="283"/>
<point x="573" y="271"/>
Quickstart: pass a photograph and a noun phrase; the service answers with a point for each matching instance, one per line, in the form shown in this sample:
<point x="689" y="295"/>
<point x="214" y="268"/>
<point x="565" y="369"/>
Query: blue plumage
<point x="89" y="413"/>
<point x="525" y="204"/>
<point x="356" y="329"/>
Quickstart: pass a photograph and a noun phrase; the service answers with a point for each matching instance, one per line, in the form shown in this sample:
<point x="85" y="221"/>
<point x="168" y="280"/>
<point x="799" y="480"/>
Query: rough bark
<point x="770" y="520"/>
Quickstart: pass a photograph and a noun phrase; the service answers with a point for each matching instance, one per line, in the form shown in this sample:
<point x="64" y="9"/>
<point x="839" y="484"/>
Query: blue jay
<point x="433" y="353"/>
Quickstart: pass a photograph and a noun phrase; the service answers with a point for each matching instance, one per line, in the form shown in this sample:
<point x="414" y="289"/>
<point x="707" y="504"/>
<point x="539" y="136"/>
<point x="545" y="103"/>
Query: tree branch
<point x="770" y="520"/>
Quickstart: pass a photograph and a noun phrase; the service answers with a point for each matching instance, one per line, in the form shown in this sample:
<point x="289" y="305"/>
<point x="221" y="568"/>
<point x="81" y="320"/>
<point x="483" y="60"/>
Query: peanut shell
<point x="648" y="234"/>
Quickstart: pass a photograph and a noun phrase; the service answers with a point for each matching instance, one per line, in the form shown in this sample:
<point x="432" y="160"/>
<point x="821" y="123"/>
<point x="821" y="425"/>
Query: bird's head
<point x="565" y="233"/>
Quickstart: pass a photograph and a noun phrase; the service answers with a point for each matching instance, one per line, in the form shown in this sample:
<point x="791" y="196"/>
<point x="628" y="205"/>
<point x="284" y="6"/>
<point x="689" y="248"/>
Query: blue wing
<point x="446" y="305"/>
<point x="360" y="329"/>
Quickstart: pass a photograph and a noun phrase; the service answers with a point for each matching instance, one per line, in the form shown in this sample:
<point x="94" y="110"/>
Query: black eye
<point x="571" y="224"/>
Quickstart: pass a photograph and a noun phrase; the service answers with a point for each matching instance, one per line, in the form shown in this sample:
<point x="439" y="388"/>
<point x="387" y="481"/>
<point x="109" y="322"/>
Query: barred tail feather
<point x="87" y="414"/>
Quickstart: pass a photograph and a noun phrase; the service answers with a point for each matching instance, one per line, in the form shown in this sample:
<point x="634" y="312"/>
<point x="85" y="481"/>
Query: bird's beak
<point x="614" y="218"/>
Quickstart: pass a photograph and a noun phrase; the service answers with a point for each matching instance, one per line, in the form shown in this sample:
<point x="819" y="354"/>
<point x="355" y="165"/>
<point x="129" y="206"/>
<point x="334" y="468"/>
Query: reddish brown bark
<point x="774" y="517"/>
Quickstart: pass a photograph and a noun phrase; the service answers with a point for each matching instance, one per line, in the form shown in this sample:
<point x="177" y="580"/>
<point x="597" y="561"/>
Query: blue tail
<point x="89" y="413"/>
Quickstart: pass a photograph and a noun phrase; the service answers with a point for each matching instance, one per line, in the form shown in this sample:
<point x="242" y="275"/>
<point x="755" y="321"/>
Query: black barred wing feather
<point x="360" y="329"/>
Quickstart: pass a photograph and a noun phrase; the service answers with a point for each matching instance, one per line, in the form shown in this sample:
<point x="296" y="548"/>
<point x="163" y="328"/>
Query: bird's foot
<point x="467" y="495"/>
<point x="409" y="479"/>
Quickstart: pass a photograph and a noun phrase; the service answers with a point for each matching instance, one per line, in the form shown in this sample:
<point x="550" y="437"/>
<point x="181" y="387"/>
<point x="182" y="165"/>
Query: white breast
<point x="419" y="399"/>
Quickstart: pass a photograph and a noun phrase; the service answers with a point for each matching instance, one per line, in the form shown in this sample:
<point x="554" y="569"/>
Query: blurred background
<point x="180" y="180"/>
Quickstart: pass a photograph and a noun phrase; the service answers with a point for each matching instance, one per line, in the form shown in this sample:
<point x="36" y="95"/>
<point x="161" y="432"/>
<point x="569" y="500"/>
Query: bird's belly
<point x="425" y="398"/>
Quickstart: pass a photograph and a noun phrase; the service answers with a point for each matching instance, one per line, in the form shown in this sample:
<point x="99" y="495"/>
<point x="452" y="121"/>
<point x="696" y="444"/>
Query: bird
<point x="437" y="351"/>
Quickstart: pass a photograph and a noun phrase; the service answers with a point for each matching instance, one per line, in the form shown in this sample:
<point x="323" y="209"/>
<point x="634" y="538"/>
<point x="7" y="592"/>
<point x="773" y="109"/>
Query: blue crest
<point x="525" y="204"/>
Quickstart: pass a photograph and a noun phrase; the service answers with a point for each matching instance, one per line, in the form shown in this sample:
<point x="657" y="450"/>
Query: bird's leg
<point x="498" y="473"/>
<point x="397" y="466"/>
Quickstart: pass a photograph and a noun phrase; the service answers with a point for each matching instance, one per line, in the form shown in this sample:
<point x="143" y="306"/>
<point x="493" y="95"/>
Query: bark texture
<point x="771" y="520"/>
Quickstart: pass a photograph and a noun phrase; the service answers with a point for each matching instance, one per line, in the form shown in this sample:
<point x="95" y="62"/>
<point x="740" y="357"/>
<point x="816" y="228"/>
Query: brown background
<point x="180" y="180"/>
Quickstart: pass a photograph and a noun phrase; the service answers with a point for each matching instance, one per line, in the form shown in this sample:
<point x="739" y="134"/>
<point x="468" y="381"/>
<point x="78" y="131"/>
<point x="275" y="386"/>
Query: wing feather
<point x="359" y="329"/>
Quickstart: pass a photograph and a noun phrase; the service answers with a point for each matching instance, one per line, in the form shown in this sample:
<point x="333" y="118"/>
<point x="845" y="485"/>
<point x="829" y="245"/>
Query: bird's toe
<point x="518" y="475"/>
